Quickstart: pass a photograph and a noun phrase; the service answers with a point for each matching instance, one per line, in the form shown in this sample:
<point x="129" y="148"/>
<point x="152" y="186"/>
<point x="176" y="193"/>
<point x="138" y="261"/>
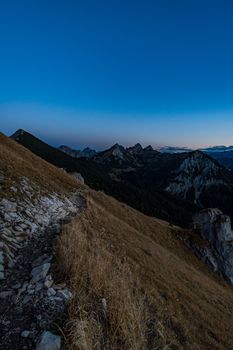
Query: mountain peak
<point x="116" y="145"/>
<point x="17" y="134"/>
<point x="117" y="151"/>
<point x="135" y="148"/>
<point x="149" y="148"/>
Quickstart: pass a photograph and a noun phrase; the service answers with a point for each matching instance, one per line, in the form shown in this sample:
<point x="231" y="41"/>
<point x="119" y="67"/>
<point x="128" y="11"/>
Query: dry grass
<point x="109" y="310"/>
<point x="17" y="162"/>
<point x="136" y="286"/>
<point x="158" y="294"/>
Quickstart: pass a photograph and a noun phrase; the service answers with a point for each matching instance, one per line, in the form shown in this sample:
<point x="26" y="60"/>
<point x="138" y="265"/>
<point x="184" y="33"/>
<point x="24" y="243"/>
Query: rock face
<point x="195" y="174"/>
<point x="215" y="227"/>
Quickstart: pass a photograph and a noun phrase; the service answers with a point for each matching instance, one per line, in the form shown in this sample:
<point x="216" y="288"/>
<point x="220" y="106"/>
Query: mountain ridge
<point x="149" y="180"/>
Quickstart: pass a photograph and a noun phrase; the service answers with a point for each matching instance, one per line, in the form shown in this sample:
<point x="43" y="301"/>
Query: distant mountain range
<point x="171" y="186"/>
<point x="224" y="154"/>
<point x="170" y="149"/>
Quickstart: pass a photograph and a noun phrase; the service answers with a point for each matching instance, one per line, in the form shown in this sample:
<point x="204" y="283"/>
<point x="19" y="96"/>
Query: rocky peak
<point x="195" y="173"/>
<point x="215" y="227"/>
<point x="136" y="148"/>
<point x="17" y="134"/>
<point x="117" y="151"/>
<point x="88" y="152"/>
<point x="148" y="148"/>
<point x="197" y="161"/>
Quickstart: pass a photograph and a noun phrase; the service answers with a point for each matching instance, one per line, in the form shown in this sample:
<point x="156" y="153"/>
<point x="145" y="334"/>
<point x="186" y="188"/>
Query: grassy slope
<point x="17" y="162"/>
<point x="150" y="202"/>
<point x="192" y="307"/>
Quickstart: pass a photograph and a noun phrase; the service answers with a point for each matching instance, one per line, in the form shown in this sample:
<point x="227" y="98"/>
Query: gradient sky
<point x="96" y="72"/>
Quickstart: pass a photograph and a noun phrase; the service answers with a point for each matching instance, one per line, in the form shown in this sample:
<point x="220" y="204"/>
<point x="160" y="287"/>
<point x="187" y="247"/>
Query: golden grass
<point x="108" y="310"/>
<point x="158" y="294"/>
<point x="136" y="286"/>
<point x="16" y="162"/>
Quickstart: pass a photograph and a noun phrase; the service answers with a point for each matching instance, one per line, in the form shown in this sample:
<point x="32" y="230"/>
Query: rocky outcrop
<point x="196" y="173"/>
<point x="79" y="178"/>
<point x="215" y="227"/>
<point x="26" y="212"/>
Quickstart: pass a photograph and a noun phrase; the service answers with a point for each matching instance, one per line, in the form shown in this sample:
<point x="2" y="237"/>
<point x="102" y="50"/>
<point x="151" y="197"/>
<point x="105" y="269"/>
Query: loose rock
<point x="49" y="341"/>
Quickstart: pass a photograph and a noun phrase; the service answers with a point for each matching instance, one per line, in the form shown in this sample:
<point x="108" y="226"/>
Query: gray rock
<point x="42" y="260"/>
<point x="49" y="341"/>
<point x="25" y="334"/>
<point x="78" y="177"/>
<point x="6" y="294"/>
<point x="65" y="294"/>
<point x="215" y="227"/>
<point x="31" y="291"/>
<point x="39" y="286"/>
<point x="16" y="286"/>
<point x="39" y="273"/>
<point x="48" y="282"/>
<point x="2" y="276"/>
<point x="26" y="299"/>
<point x="51" y="292"/>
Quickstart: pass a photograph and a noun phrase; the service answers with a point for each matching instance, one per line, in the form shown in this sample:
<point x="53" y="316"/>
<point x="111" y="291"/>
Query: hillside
<point x="130" y="281"/>
<point x="36" y="199"/>
<point x="98" y="175"/>
<point x="155" y="293"/>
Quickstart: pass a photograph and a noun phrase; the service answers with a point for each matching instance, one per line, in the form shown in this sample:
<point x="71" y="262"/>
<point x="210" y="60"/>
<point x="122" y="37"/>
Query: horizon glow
<point x="157" y="131"/>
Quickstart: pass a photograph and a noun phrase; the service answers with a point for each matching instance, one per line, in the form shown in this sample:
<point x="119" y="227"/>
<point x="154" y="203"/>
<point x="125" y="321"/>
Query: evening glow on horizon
<point x="93" y="73"/>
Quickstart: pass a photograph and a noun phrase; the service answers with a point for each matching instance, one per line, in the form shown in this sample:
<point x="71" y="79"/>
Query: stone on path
<point x="49" y="341"/>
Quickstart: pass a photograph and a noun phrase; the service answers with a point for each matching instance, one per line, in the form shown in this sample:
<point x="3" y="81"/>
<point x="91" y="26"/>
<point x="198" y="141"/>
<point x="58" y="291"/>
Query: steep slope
<point x="33" y="194"/>
<point x="135" y="285"/>
<point x="201" y="180"/>
<point x="99" y="175"/>
<point x="138" y="286"/>
<point x="36" y="199"/>
<point x="225" y="158"/>
<point x="170" y="186"/>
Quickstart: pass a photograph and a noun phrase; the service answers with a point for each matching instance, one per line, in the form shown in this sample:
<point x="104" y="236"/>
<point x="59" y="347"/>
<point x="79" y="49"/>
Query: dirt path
<point x="30" y="304"/>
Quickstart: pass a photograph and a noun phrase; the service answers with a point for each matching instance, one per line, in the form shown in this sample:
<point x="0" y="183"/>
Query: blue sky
<point x="99" y="72"/>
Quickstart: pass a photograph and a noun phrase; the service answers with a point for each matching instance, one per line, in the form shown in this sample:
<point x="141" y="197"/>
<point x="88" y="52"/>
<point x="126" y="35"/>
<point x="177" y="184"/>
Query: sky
<point x="97" y="72"/>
